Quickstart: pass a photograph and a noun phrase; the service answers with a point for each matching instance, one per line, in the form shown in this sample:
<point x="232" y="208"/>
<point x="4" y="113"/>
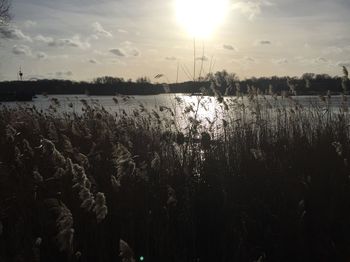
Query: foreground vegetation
<point x="263" y="181"/>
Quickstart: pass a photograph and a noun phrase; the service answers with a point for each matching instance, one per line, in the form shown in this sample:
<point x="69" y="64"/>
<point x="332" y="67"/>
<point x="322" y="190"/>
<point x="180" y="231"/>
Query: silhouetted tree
<point x="308" y="76"/>
<point x="224" y="81"/>
<point x="143" y="79"/>
<point x="322" y="76"/>
<point x="108" y="80"/>
<point x="5" y="15"/>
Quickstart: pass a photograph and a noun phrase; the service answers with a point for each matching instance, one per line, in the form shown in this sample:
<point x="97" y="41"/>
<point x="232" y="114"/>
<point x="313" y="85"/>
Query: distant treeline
<point x="226" y="84"/>
<point x="70" y="87"/>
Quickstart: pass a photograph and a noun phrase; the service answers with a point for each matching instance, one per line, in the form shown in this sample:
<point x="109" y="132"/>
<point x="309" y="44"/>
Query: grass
<point x="264" y="180"/>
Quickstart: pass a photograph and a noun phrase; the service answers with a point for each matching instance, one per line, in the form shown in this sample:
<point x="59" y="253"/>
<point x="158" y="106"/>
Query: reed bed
<point x="266" y="179"/>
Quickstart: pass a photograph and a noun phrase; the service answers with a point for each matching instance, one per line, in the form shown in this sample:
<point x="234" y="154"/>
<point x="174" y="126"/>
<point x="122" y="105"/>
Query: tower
<point x="20" y="74"/>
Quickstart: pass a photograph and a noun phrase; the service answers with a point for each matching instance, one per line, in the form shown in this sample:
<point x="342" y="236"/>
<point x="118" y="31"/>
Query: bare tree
<point x="5" y="15"/>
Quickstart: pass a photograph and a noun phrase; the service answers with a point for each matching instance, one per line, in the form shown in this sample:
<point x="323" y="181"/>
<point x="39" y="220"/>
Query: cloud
<point x="13" y="33"/>
<point x="93" y="37"/>
<point x="59" y="57"/>
<point x="93" y="61"/>
<point x="122" y="31"/>
<point x="21" y="50"/>
<point x="202" y="58"/>
<point x="100" y="53"/>
<point x="245" y="60"/>
<point x="264" y="42"/>
<point x="41" y="55"/>
<point x="249" y="59"/>
<point x="280" y="61"/>
<point x="332" y="50"/>
<point x="99" y="30"/>
<point x="313" y="61"/>
<point x="134" y="52"/>
<point x="34" y="77"/>
<point x="130" y="49"/>
<point x="250" y="8"/>
<point x="229" y="47"/>
<point x="117" y="52"/>
<point x="30" y="23"/>
<point x="344" y="63"/>
<point x="61" y="74"/>
<point x="127" y="49"/>
<point x="171" y="58"/>
<point x="70" y="42"/>
<point x="44" y="39"/>
<point x="320" y="60"/>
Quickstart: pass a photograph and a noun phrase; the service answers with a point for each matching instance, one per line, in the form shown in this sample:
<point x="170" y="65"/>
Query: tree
<point x="5" y="15"/>
<point x="143" y="80"/>
<point x="108" y="80"/>
<point x="322" y="76"/>
<point x="224" y="81"/>
<point x="308" y="76"/>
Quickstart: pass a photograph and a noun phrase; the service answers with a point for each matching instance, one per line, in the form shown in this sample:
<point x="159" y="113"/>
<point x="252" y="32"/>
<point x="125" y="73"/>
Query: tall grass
<point x="266" y="179"/>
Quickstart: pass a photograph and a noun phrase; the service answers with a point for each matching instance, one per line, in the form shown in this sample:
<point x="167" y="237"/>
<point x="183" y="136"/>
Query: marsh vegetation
<point x="261" y="181"/>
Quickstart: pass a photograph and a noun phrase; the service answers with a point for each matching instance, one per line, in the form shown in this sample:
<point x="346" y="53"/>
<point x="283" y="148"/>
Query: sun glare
<point x="201" y="17"/>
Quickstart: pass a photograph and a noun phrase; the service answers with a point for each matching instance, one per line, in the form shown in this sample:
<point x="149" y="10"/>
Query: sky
<point x="85" y="39"/>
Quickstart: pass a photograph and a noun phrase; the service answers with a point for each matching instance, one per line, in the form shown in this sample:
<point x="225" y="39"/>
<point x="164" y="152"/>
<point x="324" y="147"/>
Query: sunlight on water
<point x="208" y="111"/>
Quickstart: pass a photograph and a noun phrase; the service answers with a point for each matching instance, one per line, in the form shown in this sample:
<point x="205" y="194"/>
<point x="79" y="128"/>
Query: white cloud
<point x="347" y="48"/>
<point x="21" y="50"/>
<point x="127" y="49"/>
<point x="130" y="49"/>
<point x="59" y="57"/>
<point x="250" y="8"/>
<point x="320" y="60"/>
<point x="249" y="59"/>
<point x="34" y="77"/>
<point x="93" y="37"/>
<point x="245" y="60"/>
<point x="100" y="53"/>
<point x="75" y="41"/>
<point x="41" y="55"/>
<point x="99" y="30"/>
<point x="13" y="33"/>
<point x="134" y="52"/>
<point x="332" y="50"/>
<point x="62" y="74"/>
<point x="122" y="31"/>
<point x="44" y="39"/>
<point x="30" y="23"/>
<point x="171" y="58"/>
<point x="280" y="61"/>
<point x="344" y="63"/>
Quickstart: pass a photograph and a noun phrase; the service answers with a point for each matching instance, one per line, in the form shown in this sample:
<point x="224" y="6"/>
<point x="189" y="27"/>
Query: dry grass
<point x="266" y="179"/>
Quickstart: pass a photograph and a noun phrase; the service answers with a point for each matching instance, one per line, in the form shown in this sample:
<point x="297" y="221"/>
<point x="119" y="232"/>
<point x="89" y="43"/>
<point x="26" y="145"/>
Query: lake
<point x="208" y="108"/>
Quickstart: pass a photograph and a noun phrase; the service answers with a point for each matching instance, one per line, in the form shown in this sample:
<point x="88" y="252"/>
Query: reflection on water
<point x="208" y="110"/>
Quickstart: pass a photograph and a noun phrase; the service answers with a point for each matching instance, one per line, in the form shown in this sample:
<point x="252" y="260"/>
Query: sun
<point x="201" y="17"/>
